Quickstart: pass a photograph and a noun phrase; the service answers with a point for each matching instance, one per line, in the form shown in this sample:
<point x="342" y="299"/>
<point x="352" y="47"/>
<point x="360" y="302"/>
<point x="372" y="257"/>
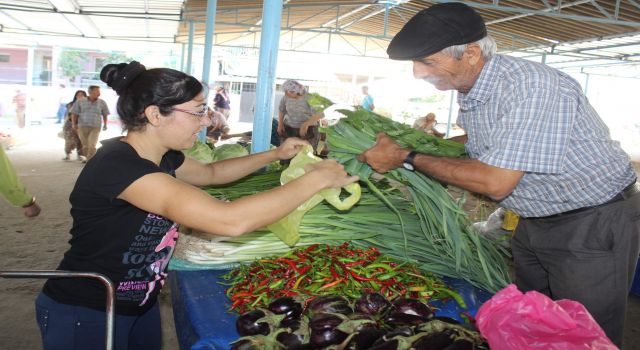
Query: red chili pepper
<point x="355" y="263"/>
<point x="329" y="285"/>
<point x="310" y="248"/>
<point x="333" y="272"/>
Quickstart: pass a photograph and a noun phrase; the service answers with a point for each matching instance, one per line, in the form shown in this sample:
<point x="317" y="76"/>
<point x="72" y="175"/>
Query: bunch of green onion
<point x="444" y="243"/>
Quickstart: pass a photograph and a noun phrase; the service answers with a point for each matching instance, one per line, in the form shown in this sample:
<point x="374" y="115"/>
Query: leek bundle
<point x="445" y="243"/>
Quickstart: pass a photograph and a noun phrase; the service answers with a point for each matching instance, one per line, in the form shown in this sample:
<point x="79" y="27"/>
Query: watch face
<point x="408" y="166"/>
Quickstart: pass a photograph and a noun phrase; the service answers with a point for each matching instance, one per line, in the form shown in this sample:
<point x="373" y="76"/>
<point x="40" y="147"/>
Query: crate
<point x="635" y="287"/>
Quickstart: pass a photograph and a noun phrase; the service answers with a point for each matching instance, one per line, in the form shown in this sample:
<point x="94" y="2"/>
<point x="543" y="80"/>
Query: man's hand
<point x="385" y="155"/>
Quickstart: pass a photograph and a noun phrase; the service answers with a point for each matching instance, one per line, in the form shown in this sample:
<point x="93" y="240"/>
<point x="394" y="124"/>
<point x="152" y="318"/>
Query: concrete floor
<point x="39" y="243"/>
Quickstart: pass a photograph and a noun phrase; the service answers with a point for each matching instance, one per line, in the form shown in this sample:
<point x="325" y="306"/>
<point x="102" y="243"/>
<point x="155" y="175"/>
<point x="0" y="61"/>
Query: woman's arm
<point x="199" y="174"/>
<point x="161" y="194"/>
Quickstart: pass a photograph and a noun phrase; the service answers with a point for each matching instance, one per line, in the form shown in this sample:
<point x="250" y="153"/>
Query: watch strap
<point x="410" y="157"/>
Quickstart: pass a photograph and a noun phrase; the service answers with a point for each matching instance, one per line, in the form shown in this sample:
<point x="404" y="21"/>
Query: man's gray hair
<point x="487" y="46"/>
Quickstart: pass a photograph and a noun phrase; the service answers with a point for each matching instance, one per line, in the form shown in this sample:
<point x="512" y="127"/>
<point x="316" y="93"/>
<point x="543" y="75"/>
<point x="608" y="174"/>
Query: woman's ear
<point x="153" y="114"/>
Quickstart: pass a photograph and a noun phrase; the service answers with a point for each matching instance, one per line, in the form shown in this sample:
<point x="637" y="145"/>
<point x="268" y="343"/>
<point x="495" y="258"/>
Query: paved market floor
<point x="38" y="244"/>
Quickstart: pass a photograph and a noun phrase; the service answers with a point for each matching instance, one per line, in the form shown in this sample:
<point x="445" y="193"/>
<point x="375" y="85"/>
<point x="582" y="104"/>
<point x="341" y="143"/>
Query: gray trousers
<point x="589" y="257"/>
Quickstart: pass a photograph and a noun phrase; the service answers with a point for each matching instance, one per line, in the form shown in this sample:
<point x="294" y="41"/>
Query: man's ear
<point x="153" y="114"/>
<point x="473" y="53"/>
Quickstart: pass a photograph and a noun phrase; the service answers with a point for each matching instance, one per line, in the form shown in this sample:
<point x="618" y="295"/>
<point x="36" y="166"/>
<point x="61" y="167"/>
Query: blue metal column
<point x="446" y="134"/>
<point x="208" y="44"/>
<point x="189" y="49"/>
<point x="271" y="18"/>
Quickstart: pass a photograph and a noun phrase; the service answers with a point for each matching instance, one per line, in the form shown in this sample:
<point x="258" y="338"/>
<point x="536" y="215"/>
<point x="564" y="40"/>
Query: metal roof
<point x="570" y="32"/>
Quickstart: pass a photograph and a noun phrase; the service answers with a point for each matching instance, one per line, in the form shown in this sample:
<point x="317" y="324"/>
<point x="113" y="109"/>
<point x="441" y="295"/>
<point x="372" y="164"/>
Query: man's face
<point x="445" y="72"/>
<point x="94" y="93"/>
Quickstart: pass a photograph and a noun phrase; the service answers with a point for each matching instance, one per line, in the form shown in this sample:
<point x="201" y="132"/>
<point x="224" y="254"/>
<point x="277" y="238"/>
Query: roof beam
<point x="548" y="14"/>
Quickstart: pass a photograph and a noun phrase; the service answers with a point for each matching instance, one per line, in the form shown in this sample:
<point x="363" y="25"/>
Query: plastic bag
<point x="287" y="228"/>
<point x="512" y="320"/>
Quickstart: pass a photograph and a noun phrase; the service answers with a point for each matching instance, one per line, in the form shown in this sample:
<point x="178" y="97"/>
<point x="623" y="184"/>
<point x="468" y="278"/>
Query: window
<point x="99" y="64"/>
<point x="5" y="58"/>
<point x="235" y="87"/>
<point x="248" y="87"/>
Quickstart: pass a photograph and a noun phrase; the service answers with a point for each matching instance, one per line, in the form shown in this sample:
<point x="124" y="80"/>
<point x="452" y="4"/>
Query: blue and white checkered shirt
<point x="526" y="116"/>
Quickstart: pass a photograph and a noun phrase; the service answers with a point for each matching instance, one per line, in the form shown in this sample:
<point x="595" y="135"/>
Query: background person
<point x="62" y="105"/>
<point x="539" y="148"/>
<point x="13" y="190"/>
<point x="219" y="126"/>
<point x="221" y="102"/>
<point x="71" y="138"/>
<point x="367" y="100"/>
<point x="20" y="103"/>
<point x="130" y="197"/>
<point x="296" y="118"/>
<point x="87" y="116"/>
<point x="427" y="124"/>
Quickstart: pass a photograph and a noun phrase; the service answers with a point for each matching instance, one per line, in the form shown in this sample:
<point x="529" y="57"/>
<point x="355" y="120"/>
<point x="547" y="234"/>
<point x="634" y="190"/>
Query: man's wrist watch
<point x="407" y="163"/>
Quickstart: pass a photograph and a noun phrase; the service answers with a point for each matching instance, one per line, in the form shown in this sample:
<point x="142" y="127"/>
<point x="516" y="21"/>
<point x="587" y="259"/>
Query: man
<point x="538" y="147"/>
<point x="20" y="101"/>
<point x="367" y="100"/>
<point x="87" y="116"/>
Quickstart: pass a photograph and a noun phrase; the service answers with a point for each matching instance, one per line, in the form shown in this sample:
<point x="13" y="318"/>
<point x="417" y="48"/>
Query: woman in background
<point x="71" y="139"/>
<point x="296" y="118"/>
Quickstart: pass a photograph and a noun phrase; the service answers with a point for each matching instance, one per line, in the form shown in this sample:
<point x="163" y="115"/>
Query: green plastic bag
<point x="287" y="228"/>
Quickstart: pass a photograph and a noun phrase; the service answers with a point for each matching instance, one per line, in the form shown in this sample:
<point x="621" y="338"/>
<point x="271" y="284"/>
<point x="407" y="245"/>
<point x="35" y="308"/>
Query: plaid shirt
<point x="526" y="116"/>
<point x="90" y="113"/>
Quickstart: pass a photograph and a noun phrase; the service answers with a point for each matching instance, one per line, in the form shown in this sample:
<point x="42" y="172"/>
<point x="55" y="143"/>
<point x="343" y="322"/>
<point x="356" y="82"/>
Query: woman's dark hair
<point x="75" y="97"/>
<point x="140" y="88"/>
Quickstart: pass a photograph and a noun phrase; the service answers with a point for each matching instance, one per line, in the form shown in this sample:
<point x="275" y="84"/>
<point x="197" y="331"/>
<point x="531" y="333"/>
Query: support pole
<point x="208" y="46"/>
<point x="190" y="49"/>
<point x="269" y="42"/>
<point x="446" y="134"/>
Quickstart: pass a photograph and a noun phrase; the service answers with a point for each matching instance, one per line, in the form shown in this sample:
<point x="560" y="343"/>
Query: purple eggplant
<point x="290" y="340"/>
<point x="433" y="341"/>
<point x="397" y="319"/>
<point x="387" y="345"/>
<point x="329" y="303"/>
<point x="364" y="338"/>
<point x="286" y="306"/>
<point x="460" y="344"/>
<point x="324" y="321"/>
<point x="447" y="319"/>
<point x="412" y="307"/>
<point x="291" y="323"/>
<point x="404" y="331"/>
<point x="373" y="304"/>
<point x="248" y="323"/>
<point x="323" y="338"/>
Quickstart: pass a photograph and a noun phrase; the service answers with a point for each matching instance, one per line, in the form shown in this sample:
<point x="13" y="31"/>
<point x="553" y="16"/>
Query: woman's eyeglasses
<point x="203" y="113"/>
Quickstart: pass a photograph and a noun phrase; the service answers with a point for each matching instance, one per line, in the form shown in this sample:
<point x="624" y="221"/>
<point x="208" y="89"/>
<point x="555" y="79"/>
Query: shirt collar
<point x="484" y="85"/>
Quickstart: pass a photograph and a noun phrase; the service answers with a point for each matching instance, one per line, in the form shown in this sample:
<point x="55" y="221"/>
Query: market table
<point x="202" y="319"/>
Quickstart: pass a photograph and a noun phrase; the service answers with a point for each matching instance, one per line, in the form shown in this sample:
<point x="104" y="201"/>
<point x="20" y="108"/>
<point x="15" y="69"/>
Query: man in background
<point x="87" y="117"/>
<point x="367" y="100"/>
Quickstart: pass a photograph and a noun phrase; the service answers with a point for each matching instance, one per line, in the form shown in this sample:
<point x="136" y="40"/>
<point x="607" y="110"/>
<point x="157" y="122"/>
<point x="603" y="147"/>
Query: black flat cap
<point x="436" y="28"/>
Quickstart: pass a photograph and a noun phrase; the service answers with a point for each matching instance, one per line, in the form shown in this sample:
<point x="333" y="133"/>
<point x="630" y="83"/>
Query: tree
<point x="72" y="63"/>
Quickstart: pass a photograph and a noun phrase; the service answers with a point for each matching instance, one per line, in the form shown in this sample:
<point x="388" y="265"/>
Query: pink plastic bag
<point x="512" y="320"/>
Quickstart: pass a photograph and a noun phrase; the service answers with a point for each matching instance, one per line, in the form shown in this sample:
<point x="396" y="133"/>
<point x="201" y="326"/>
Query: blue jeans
<point x="67" y="327"/>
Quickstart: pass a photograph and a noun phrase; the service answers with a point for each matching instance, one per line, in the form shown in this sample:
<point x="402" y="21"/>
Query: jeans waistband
<point x="627" y="192"/>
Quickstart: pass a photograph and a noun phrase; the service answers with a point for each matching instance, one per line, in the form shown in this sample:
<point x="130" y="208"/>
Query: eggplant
<point x="364" y="338"/>
<point x="432" y="341"/>
<point x="400" y="319"/>
<point x="324" y="321"/>
<point x="247" y="323"/>
<point x="374" y="304"/>
<point x="412" y="307"/>
<point x="291" y="323"/>
<point x="323" y="338"/>
<point x="286" y="306"/>
<point x="404" y="331"/>
<point x="387" y="345"/>
<point x="460" y="344"/>
<point x="290" y="340"/>
<point x="329" y="303"/>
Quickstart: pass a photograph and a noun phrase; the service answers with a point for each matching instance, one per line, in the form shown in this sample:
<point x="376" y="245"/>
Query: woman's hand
<point x="331" y="172"/>
<point x="290" y="147"/>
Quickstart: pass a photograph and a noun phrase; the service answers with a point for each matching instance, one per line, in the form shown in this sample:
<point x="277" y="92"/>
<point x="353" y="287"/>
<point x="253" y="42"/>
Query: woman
<point x="71" y="139"/>
<point x="427" y="124"/>
<point x="296" y="118"/>
<point x="221" y="102"/>
<point x="130" y="197"/>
